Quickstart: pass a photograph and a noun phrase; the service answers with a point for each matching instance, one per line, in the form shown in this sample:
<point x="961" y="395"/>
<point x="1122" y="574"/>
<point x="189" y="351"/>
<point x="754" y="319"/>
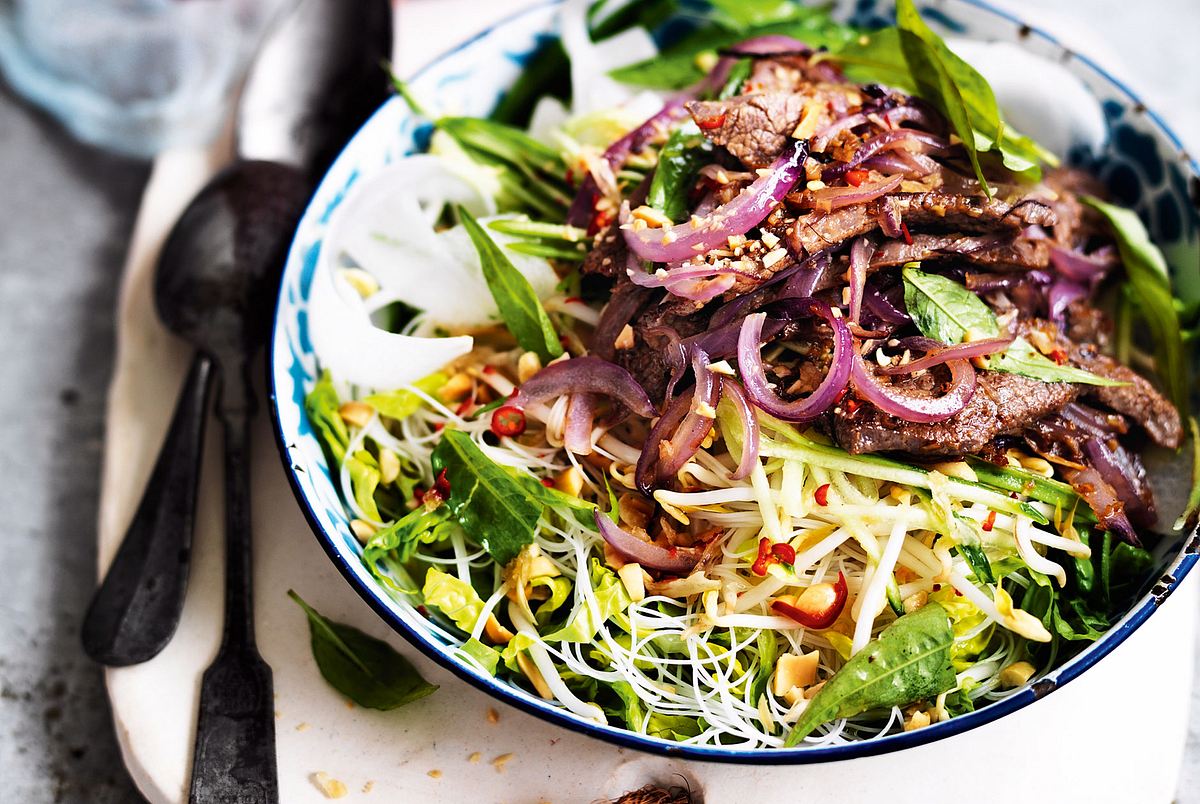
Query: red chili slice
<point x="856" y="177"/>
<point x="990" y="522"/>
<point x="784" y="552"/>
<point x="816" y="619"/>
<point x="508" y="420"/>
<point x="821" y="495"/>
<point x="904" y="231"/>
<point x="764" y="557"/>
<point x="709" y="123"/>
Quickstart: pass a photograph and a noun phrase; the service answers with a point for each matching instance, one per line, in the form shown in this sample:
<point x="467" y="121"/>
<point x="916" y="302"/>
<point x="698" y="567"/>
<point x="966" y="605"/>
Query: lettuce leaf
<point x="612" y="600"/>
<point x="321" y="404"/>
<point x="402" y="403"/>
<point x="451" y="596"/>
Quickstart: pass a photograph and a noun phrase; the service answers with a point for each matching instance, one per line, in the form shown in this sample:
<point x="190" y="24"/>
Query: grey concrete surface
<point x="65" y="216"/>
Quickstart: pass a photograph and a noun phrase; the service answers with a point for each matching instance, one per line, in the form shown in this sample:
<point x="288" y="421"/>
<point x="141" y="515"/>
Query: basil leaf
<point x="943" y="79"/>
<point x="366" y="670"/>
<point x="679" y="65"/>
<point x="321" y="405"/>
<point x="1021" y="358"/>
<point x="680" y="159"/>
<point x="875" y="57"/>
<point x="498" y="506"/>
<point x="1150" y="282"/>
<point x="945" y="310"/>
<point x="546" y="74"/>
<point x="519" y="305"/>
<point x="742" y="14"/>
<point x="908" y="662"/>
<point x="737" y="77"/>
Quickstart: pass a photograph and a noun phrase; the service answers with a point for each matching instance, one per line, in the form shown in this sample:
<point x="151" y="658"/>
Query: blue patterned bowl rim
<point x="1172" y="576"/>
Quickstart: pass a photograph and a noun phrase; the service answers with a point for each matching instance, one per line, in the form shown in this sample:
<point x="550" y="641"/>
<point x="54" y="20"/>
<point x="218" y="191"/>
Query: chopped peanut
<point x="634" y="581"/>
<point x="362" y="529"/>
<point x="389" y="466"/>
<point x="570" y="481"/>
<point x="794" y="670"/>
<point x="331" y="787"/>
<point x="356" y="414"/>
<point x="1016" y="674"/>
<point x="497" y="632"/>
<point x="918" y="720"/>
<point x="456" y="388"/>
<point x="625" y="339"/>
<point x="527" y="365"/>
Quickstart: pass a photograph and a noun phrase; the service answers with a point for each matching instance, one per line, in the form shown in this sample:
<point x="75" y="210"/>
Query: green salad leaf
<point x="364" y="479"/>
<point x="520" y="308"/>
<point x="1192" y="508"/>
<point x="485" y="656"/>
<point x="1149" y="280"/>
<point x="909" y="661"/>
<point x="680" y="159"/>
<point x="453" y="597"/>
<point x="948" y="312"/>
<point x="321" y="405"/>
<point x="612" y="600"/>
<point x="743" y="14"/>
<point x="366" y="670"/>
<point x="400" y="538"/>
<point x="402" y="403"/>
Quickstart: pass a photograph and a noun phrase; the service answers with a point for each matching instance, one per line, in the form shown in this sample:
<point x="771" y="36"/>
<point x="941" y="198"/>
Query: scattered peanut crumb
<point x="435" y="774"/>
<point x="278" y="714"/>
<point x="499" y="762"/>
<point x="331" y="787"/>
<point x="625" y="340"/>
<point x="492" y="715"/>
<point x="302" y="727"/>
<point x="369" y="786"/>
<point x="475" y="757"/>
<point x="349" y="704"/>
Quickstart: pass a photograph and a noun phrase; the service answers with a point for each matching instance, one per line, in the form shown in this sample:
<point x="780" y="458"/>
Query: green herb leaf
<point x="518" y="303"/>
<point x="945" y="310"/>
<point x="683" y="63"/>
<point x="1192" y="509"/>
<point x="522" y="226"/>
<point x="402" y="403"/>
<point x="737" y="77"/>
<point x="908" y="662"/>
<point x="943" y="79"/>
<point x="366" y="670"/>
<point x="1021" y="358"/>
<point x="1150" y="282"/>
<point x="321" y="405"/>
<point x="490" y="504"/>
<point x="405" y="535"/>
<point x="680" y="159"/>
<point x="743" y="14"/>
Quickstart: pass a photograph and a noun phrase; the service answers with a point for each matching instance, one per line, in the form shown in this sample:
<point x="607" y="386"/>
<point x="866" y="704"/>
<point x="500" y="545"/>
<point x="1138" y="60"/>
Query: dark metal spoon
<point x="315" y="81"/>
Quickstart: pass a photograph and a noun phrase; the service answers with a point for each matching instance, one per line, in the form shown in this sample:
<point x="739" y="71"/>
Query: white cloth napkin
<point x="449" y="747"/>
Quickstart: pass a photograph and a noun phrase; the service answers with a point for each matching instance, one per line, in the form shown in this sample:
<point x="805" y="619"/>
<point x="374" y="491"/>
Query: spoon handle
<point x="136" y="609"/>
<point x="234" y="759"/>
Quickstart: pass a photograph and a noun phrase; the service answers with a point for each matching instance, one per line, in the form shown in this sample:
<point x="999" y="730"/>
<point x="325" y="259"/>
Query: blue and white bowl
<point x="1125" y="144"/>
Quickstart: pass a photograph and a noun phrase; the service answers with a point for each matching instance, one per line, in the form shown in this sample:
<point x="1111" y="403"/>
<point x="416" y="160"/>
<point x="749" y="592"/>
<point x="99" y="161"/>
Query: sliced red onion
<point x="739" y="216"/>
<point x="936" y="354"/>
<point x="910" y="408"/>
<point x="889" y="217"/>
<point x="754" y="376"/>
<point x="1081" y="267"/>
<point x="1088" y="419"/>
<point x="816" y="273"/>
<point x="582" y="207"/>
<point x="577" y="425"/>
<point x="675" y="560"/>
<point x="906" y="163"/>
<point x="884" y="306"/>
<point x="769" y="44"/>
<point x="1089" y="484"/>
<point x="832" y="198"/>
<point x="699" y="283"/>
<point x="750" y="432"/>
<point x="798" y="280"/>
<point x="884" y="142"/>
<point x="677" y="354"/>
<point x="1127" y="478"/>
<point x="825" y="134"/>
<point x="619" y="311"/>
<point x="860" y="259"/>
<point x="695" y="427"/>
<point x="1060" y="296"/>
<point x="587" y="374"/>
<point x="646" y="472"/>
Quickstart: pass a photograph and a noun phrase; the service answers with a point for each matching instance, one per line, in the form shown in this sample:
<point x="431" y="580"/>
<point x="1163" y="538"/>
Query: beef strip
<point x="1138" y="399"/>
<point x="754" y="128"/>
<point x="607" y="256"/>
<point x="989" y="250"/>
<point x="943" y="211"/>
<point x="648" y="359"/>
<point x="1003" y="404"/>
